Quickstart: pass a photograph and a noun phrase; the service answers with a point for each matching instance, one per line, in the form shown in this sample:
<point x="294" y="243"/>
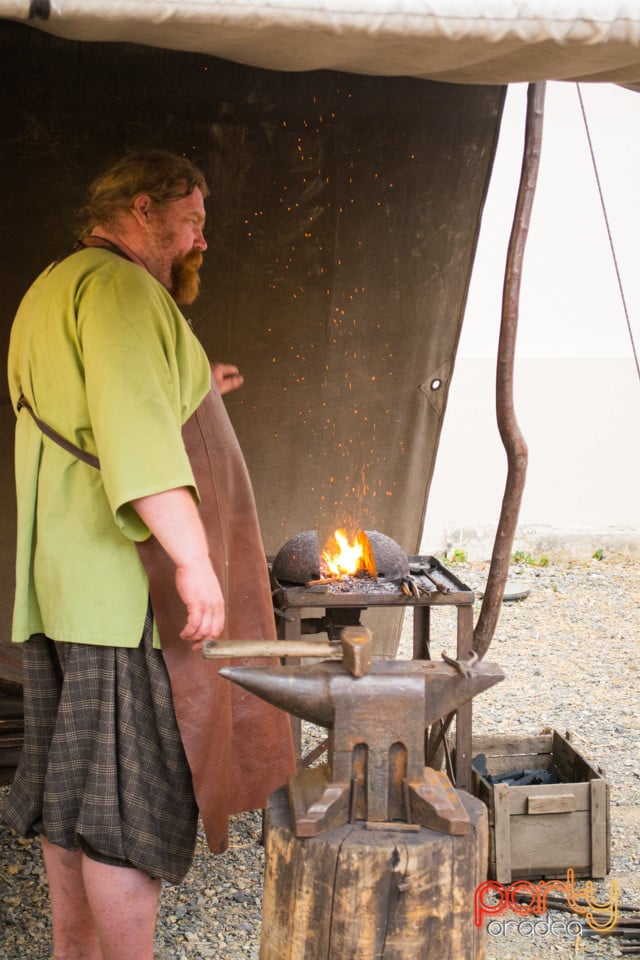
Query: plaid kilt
<point x="103" y="767"/>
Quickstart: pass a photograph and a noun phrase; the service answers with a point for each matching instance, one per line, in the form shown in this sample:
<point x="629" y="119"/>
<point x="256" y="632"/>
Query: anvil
<point x="375" y="769"/>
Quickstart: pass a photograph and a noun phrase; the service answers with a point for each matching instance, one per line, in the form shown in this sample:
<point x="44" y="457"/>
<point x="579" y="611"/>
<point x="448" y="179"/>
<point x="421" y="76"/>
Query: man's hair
<point x="161" y="175"/>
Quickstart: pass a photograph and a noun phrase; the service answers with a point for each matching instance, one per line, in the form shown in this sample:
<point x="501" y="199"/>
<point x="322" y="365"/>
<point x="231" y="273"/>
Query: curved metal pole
<point x="512" y="439"/>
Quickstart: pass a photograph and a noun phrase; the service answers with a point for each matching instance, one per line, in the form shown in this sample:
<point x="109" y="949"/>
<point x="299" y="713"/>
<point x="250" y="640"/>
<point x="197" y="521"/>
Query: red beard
<point x="185" y="277"/>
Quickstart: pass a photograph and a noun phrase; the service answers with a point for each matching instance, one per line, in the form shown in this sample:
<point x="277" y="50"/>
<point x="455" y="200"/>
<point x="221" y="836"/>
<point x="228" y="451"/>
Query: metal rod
<point x="512" y="439"/>
<point x="232" y="649"/>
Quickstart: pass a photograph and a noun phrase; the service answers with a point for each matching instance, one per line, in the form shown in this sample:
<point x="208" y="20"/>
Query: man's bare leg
<point x="124" y="907"/>
<point x="99" y="912"/>
<point x="75" y="936"/>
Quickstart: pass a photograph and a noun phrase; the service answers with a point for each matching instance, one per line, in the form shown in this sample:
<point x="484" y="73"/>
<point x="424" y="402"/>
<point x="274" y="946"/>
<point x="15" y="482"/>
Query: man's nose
<point x="199" y="241"/>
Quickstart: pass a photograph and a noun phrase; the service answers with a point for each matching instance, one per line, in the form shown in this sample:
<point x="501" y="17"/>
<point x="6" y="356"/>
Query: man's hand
<point x="200" y="592"/>
<point x="226" y="376"/>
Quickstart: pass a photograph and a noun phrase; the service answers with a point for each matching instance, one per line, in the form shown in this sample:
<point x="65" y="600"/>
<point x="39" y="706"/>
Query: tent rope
<point x="609" y="234"/>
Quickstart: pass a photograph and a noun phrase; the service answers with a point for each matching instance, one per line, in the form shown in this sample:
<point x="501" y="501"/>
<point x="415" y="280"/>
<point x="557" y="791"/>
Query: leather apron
<point x="239" y="748"/>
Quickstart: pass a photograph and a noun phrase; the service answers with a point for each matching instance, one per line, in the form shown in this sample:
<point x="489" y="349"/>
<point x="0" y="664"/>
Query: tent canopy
<point x="445" y="40"/>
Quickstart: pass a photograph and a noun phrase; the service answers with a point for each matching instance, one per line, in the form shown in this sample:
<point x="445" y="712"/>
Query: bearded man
<point x="137" y="534"/>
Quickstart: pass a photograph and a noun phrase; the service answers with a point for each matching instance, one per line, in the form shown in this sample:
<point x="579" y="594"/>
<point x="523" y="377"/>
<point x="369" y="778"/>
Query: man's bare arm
<point x="173" y="518"/>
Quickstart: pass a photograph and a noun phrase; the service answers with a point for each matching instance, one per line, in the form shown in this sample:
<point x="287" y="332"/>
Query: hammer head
<point x="357" y="649"/>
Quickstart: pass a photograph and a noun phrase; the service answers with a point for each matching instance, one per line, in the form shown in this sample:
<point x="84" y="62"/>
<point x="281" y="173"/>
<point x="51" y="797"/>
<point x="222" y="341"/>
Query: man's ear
<point x="141" y="207"/>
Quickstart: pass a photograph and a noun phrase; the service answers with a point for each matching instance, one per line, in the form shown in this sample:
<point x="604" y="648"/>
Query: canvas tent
<point x="457" y="41"/>
<point x="349" y="146"/>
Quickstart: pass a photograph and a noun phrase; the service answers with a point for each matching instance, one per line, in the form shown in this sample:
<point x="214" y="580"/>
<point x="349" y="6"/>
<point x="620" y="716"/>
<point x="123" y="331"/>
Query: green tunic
<point x="104" y="356"/>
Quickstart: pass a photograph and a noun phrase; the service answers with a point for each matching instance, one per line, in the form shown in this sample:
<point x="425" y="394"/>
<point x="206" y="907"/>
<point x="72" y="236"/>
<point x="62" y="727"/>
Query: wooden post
<point x="372" y="894"/>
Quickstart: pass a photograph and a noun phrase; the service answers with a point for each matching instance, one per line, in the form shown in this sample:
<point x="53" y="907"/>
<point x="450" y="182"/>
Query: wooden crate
<point x="539" y="831"/>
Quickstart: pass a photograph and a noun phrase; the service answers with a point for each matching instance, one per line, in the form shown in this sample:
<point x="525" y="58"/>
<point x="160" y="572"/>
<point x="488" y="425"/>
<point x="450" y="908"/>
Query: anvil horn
<point x="305" y="695"/>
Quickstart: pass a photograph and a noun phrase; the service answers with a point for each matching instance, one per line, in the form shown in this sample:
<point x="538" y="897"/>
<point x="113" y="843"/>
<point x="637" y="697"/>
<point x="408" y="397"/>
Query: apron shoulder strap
<point x="60" y="440"/>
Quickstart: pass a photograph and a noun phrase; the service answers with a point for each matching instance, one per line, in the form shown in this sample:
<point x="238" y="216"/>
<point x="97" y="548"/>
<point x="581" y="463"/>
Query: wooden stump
<point x="365" y="894"/>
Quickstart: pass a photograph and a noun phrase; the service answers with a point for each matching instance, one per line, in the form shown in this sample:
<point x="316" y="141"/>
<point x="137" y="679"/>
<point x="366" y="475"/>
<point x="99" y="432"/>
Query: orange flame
<point x="344" y="557"/>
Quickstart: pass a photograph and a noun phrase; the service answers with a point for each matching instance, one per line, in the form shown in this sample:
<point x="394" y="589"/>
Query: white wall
<point x="576" y="384"/>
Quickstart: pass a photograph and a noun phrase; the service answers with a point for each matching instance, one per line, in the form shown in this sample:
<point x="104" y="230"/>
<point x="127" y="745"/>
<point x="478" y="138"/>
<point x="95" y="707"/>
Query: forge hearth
<point x="300" y="559"/>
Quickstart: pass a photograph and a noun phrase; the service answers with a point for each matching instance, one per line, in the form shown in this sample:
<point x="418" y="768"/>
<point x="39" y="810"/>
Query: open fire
<point x="366" y="559"/>
<point x="343" y="556"/>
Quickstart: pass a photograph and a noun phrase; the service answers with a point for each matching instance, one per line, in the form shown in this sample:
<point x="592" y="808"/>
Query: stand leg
<point x="290" y="629"/>
<point x="421" y="633"/>
<point x="464" y="714"/>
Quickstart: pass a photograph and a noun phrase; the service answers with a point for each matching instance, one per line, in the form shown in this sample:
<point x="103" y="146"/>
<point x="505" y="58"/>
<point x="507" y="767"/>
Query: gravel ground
<point x="570" y="652"/>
